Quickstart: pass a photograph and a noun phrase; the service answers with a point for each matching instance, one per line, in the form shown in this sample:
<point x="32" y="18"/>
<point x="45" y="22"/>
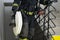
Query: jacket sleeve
<point x="16" y="2"/>
<point x="44" y="2"/>
<point x="15" y="5"/>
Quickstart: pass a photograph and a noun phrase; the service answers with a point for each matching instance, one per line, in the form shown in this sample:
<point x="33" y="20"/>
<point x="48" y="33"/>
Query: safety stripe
<point x="15" y="4"/>
<point x="23" y="38"/>
<point x="30" y="13"/>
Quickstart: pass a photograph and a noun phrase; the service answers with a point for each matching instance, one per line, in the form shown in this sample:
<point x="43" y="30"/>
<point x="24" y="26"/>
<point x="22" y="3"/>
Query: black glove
<point x="14" y="8"/>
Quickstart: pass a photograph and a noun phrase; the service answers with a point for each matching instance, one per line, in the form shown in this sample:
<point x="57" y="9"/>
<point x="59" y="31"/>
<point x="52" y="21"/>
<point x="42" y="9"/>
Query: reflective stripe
<point x="29" y="13"/>
<point x="23" y="39"/>
<point x="15" y="4"/>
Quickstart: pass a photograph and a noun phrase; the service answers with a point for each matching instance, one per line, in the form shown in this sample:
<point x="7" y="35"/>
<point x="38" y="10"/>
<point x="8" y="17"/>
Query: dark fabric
<point x="39" y="34"/>
<point x="44" y="2"/>
<point x="17" y="1"/>
<point x="14" y="8"/>
<point x="28" y="26"/>
<point x="28" y="5"/>
<point x="31" y="29"/>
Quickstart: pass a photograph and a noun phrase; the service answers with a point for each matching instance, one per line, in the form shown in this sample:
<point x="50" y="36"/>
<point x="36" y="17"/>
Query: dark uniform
<point x="27" y="7"/>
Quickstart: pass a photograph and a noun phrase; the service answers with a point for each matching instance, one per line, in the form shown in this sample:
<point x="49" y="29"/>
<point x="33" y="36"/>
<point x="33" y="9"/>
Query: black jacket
<point x="29" y="5"/>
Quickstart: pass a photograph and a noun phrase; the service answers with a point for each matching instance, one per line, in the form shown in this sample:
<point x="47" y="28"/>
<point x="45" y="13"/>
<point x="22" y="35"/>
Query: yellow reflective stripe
<point x="30" y="13"/>
<point x="15" y="4"/>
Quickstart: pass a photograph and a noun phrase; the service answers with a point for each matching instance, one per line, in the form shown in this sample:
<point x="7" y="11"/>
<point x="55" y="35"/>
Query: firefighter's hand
<point x="41" y="12"/>
<point x="14" y="8"/>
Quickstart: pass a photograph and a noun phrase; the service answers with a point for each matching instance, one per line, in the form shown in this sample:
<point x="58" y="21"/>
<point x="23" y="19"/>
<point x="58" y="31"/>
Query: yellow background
<point x="56" y="37"/>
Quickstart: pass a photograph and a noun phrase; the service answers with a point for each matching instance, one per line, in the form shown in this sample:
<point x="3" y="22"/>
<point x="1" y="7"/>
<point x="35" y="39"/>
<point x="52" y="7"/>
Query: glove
<point x="14" y="8"/>
<point x="40" y="12"/>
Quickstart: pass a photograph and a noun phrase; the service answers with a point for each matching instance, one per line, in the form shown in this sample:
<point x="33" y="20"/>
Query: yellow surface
<point x="56" y="37"/>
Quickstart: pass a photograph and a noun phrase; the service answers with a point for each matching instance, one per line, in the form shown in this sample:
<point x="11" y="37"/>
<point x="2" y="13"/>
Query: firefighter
<point x="27" y="8"/>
